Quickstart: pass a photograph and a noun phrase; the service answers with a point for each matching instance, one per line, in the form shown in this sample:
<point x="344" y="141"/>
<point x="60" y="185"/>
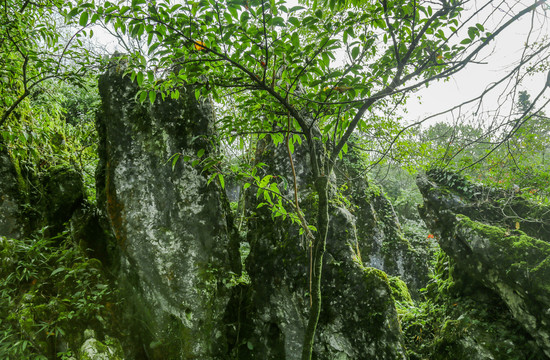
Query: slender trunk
<point x="319" y="246"/>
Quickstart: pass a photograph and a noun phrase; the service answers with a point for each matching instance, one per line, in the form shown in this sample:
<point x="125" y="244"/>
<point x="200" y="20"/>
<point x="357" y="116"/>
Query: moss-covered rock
<point x="509" y="262"/>
<point x="93" y="349"/>
<point x="173" y="229"/>
<point x="358" y="317"/>
<point x="375" y="227"/>
<point x="461" y="318"/>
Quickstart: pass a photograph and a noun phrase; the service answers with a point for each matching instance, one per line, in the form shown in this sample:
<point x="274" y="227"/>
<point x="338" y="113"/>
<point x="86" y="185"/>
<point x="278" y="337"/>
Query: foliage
<point x="43" y="79"/>
<point x="49" y="293"/>
<point x="515" y="161"/>
<point x="34" y="48"/>
<point x="56" y="128"/>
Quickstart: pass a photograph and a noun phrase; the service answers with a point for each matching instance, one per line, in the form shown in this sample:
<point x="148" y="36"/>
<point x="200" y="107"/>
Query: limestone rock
<point x="358" y="316"/>
<point x="472" y="229"/>
<point x="93" y="349"/>
<point x="172" y="229"/>
<point x="375" y="227"/>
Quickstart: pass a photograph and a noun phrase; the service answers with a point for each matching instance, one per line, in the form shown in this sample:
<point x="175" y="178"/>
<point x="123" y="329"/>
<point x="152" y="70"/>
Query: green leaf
<point x="175" y="94"/>
<point x="83" y="19"/>
<point x="175" y="160"/>
<point x="57" y="271"/>
<point x="222" y="182"/>
<point x="244" y="18"/>
<point x="295" y="40"/>
<point x="212" y="177"/>
<point x="152" y="96"/>
<point x="73" y="12"/>
<point x="142" y="96"/>
<point x="472" y="31"/>
<point x="294" y="21"/>
<point x="355" y="52"/>
<point x="466" y="41"/>
<point x="295" y="8"/>
<point x="140" y="80"/>
<point x="200" y="153"/>
<point x="152" y="48"/>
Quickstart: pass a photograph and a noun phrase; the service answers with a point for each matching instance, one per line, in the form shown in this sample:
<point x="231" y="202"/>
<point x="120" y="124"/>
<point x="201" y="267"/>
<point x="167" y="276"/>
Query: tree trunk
<point x="319" y="246"/>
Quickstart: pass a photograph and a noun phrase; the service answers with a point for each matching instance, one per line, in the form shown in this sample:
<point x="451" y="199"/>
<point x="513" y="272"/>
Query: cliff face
<point x="172" y="229"/>
<point x="358" y="316"/>
<point x="497" y="241"/>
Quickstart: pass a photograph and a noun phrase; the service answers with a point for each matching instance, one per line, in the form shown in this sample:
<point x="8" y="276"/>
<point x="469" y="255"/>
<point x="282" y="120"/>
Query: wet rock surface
<point x="472" y="226"/>
<point x="172" y="229"/>
<point x="358" y="317"/>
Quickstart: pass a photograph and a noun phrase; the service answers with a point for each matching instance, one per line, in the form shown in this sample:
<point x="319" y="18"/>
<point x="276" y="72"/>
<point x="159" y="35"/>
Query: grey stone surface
<point x="171" y="227"/>
<point x="513" y="264"/>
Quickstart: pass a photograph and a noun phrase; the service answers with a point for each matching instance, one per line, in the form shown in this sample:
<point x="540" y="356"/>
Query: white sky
<point x="505" y="51"/>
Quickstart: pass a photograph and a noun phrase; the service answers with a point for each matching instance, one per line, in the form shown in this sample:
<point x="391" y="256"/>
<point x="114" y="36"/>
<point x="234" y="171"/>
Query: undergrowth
<point x="49" y="293"/>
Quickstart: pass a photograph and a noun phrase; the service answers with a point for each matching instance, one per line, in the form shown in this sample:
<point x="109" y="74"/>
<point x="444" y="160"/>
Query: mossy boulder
<point x="511" y="263"/>
<point x="93" y="349"/>
<point x="358" y="317"/>
<point x="173" y="230"/>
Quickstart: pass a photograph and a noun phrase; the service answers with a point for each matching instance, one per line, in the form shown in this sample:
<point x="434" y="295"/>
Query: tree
<point x="35" y="47"/>
<point x="315" y="74"/>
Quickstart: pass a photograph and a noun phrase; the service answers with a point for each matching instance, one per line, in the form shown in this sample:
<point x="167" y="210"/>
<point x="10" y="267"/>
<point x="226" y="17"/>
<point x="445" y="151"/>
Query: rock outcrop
<point x="358" y="316"/>
<point x="176" y="242"/>
<point x="495" y="239"/>
<point x="376" y="227"/>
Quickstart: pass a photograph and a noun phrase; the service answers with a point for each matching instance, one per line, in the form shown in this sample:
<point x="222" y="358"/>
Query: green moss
<point x="521" y="255"/>
<point x="377" y="279"/>
<point x="22" y="184"/>
<point x="399" y="290"/>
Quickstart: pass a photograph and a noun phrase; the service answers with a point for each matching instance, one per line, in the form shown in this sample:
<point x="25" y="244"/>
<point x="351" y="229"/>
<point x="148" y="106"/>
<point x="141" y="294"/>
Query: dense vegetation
<point x="328" y="75"/>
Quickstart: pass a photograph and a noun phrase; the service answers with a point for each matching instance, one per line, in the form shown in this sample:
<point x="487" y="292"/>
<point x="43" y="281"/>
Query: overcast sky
<point x="503" y="54"/>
